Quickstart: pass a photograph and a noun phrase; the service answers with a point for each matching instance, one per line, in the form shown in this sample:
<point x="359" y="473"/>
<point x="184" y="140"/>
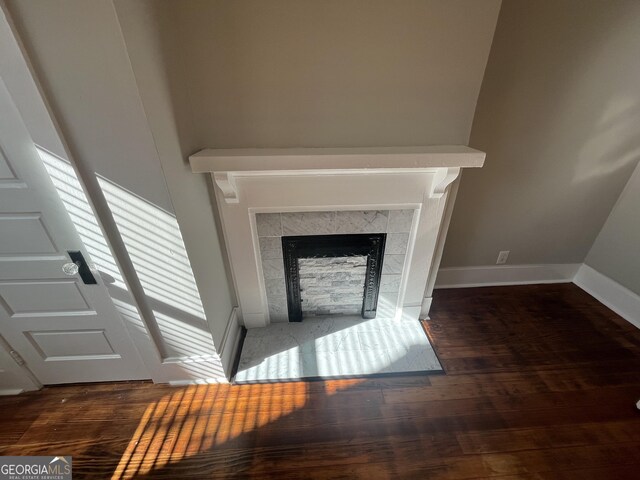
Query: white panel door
<point x="65" y="330"/>
<point x="14" y="379"/>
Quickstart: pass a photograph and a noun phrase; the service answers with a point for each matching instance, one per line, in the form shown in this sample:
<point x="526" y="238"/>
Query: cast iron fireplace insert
<point x="370" y="245"/>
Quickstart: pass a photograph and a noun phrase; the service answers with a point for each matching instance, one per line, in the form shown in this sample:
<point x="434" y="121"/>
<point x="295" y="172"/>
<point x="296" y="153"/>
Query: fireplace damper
<point x="317" y="246"/>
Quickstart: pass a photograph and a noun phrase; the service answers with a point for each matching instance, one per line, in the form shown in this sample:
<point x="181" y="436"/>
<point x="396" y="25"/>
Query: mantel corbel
<point x="441" y="184"/>
<point x="226" y="182"/>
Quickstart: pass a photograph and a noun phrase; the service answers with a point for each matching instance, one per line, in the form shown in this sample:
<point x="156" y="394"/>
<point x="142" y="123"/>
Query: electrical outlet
<point x="502" y="257"/>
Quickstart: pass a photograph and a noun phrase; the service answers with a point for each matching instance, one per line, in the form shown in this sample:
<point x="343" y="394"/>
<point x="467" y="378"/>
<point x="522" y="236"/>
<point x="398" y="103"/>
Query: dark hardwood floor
<point x="541" y="382"/>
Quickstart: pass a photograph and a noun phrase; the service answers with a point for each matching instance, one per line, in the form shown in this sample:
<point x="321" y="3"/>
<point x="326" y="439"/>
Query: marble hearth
<point x="335" y="347"/>
<point x="405" y="192"/>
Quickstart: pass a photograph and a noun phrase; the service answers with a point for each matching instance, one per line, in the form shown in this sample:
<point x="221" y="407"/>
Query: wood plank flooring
<point x="541" y="383"/>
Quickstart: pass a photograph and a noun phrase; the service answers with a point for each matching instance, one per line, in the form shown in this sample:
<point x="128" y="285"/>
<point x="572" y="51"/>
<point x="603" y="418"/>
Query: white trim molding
<point x="331" y="160"/>
<point x="227" y="184"/>
<point x="11" y="391"/>
<point x="230" y="341"/>
<point x="448" y="177"/>
<point x="492" y="275"/>
<point x="610" y="293"/>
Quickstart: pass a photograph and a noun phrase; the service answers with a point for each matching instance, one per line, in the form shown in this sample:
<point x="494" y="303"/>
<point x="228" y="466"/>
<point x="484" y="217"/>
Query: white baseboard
<point x="226" y="354"/>
<point x="230" y="342"/>
<point x="610" y="293"/>
<point x="11" y="391"/>
<point x="495" y="275"/>
<point x="426" y="306"/>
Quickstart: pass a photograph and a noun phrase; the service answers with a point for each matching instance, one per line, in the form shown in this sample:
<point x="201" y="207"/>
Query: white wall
<point x="80" y="57"/>
<point x="559" y="118"/>
<point x="286" y="73"/>
<point x="163" y="100"/>
<point x="616" y="251"/>
<point x="75" y="46"/>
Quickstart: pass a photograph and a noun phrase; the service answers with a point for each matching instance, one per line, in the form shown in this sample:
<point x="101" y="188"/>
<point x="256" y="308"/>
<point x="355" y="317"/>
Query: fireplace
<point x="332" y="286"/>
<point x="317" y="246"/>
<point x="265" y="195"/>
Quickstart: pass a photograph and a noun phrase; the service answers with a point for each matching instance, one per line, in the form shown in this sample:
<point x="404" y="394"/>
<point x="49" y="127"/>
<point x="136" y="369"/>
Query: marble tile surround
<point x="272" y="226"/>
<point x="334" y="347"/>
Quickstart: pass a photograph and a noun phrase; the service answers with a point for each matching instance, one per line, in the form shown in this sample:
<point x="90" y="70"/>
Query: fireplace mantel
<point x="313" y="159"/>
<point x="418" y="179"/>
<point x="227" y="164"/>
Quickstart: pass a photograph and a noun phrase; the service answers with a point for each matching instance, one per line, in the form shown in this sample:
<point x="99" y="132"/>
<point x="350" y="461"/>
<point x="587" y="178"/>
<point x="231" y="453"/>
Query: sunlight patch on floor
<point x="195" y="419"/>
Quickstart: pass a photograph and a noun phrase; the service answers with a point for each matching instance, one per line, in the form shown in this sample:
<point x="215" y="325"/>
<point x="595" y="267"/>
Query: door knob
<point x="79" y="265"/>
<point x="70" y="268"/>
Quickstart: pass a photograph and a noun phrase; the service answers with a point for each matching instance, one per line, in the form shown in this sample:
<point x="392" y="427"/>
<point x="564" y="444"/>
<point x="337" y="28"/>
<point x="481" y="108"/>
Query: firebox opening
<point x="332" y="274"/>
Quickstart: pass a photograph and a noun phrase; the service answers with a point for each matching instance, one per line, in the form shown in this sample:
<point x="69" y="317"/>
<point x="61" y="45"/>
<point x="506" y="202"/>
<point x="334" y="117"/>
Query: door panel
<point x="23" y="234"/>
<point x="6" y="173"/>
<point x="14" y="379"/>
<point x="86" y="343"/>
<point x="8" y="178"/>
<point x="64" y="330"/>
<point x="49" y="297"/>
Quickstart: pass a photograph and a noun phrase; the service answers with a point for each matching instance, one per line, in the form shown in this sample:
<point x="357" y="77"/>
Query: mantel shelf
<point x="335" y="159"/>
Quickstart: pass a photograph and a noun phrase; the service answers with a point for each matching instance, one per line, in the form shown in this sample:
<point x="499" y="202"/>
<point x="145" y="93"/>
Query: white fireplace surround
<point x="251" y="181"/>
